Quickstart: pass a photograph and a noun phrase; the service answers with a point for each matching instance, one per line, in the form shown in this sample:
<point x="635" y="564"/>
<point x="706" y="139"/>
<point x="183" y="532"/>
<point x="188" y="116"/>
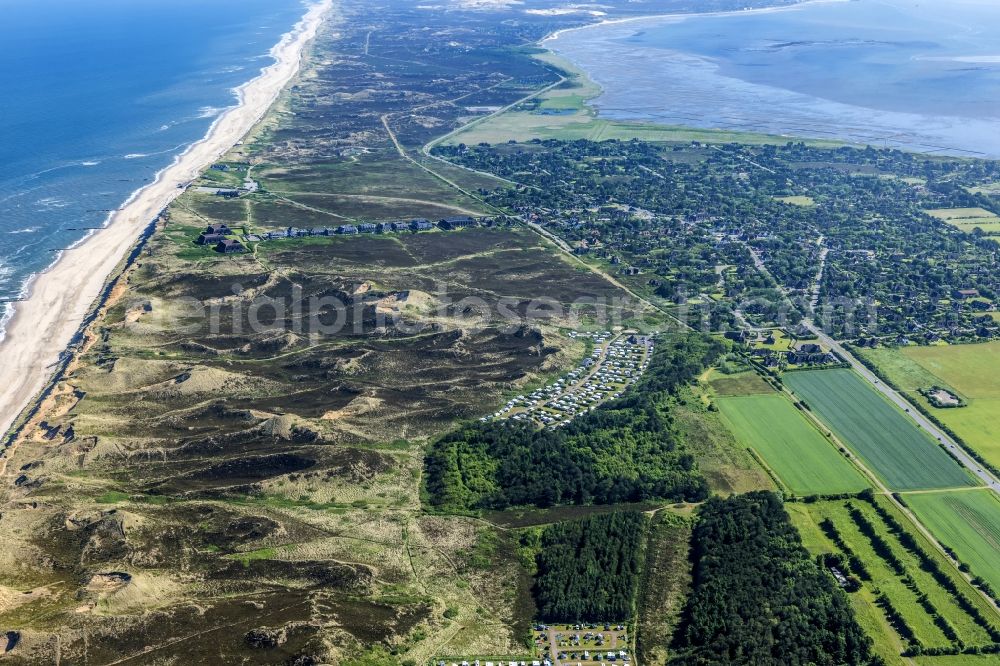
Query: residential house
<point x="962" y="294"/>
<point x="210" y="239"/>
<point x="458" y="222"/>
<point x="229" y="246"/>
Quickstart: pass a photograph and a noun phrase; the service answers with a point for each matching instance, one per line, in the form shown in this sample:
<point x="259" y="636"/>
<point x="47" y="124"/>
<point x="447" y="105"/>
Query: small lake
<point x="922" y="75"/>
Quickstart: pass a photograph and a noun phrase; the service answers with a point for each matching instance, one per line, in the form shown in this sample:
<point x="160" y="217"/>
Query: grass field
<point x="665" y="584"/>
<point x="901" y="454"/>
<point x="722" y="459"/>
<point x="744" y="383"/>
<point x="967" y="522"/>
<point x="798" y="200"/>
<point x="968" y="219"/>
<point x="967" y="370"/>
<point x="801" y="457"/>
<point x="903" y="588"/>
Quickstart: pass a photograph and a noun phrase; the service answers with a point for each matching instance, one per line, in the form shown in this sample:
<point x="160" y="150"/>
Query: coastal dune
<point x="44" y="325"/>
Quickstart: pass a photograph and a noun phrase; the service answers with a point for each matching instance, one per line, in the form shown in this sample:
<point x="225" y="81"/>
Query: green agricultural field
<point x="902" y="587"/>
<point x="968" y="219"/>
<point x="801" y="457"/>
<point x="887" y="644"/>
<point x="968" y="523"/>
<point x="901" y="454"/>
<point x="970" y="371"/>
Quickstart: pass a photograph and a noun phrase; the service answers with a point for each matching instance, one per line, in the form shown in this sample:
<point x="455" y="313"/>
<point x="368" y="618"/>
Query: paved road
<point x="904" y="404"/>
<point x="922" y="421"/>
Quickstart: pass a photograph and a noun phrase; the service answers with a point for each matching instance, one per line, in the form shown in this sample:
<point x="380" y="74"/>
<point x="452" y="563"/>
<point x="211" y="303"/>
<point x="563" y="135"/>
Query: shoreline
<point x="544" y="42"/>
<point x="555" y="34"/>
<point x="906" y="135"/>
<point x="42" y="327"/>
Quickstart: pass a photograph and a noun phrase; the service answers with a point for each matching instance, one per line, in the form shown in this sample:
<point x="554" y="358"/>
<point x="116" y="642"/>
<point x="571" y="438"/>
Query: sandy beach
<point x="45" y="323"/>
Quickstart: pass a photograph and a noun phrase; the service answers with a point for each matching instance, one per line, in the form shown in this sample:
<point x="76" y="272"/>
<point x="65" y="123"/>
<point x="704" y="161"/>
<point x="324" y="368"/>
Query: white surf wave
<point x="51" y="203"/>
<point x="209" y="111"/>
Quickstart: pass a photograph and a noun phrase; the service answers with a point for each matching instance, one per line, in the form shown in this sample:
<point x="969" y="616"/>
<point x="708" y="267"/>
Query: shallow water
<point x="919" y="75"/>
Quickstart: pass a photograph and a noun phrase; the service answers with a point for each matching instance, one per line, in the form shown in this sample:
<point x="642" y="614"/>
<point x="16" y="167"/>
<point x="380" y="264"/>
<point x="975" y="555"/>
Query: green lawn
<point x="902" y="455"/>
<point x="968" y="370"/>
<point x="801" y="457"/>
<point x="967" y="522"/>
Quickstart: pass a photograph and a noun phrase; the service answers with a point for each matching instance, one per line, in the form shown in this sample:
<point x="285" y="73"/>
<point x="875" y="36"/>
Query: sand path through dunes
<point x="44" y="325"/>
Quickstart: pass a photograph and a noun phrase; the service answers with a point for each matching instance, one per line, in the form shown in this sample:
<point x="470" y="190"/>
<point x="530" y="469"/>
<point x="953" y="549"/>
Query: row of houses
<point x="218" y="235"/>
<point x="804" y="354"/>
<point x="414" y="225"/>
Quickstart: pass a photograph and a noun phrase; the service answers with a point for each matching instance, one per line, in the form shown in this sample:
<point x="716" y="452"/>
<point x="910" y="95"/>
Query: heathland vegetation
<point x="200" y="491"/>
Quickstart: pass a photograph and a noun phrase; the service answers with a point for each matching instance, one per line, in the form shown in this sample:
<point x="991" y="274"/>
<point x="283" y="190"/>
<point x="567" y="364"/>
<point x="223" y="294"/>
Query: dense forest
<point x="625" y="451"/>
<point x="758" y="598"/>
<point x="587" y="569"/>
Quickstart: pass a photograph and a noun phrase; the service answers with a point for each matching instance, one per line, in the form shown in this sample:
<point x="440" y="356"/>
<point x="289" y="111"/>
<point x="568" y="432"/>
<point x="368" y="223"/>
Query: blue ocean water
<point x="924" y="75"/>
<point x="97" y="96"/>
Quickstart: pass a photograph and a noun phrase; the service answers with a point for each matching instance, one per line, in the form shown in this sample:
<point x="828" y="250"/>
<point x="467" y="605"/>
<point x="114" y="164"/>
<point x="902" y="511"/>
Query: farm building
<point x="420" y="225"/>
